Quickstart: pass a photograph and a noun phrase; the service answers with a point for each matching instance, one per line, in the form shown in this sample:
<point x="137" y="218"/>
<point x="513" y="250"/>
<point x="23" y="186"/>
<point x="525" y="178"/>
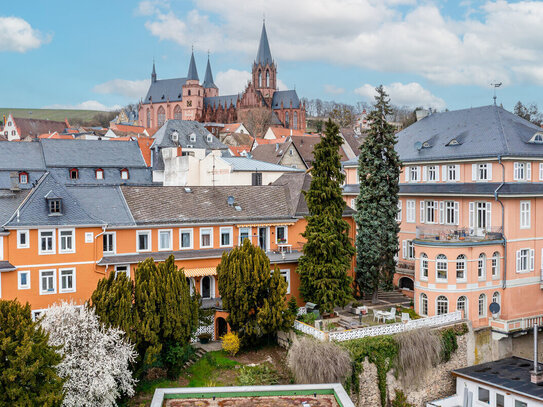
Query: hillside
<point x="79" y="116"/>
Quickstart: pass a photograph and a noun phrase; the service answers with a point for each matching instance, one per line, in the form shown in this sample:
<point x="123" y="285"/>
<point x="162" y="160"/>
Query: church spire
<point x="153" y="74"/>
<point x="193" y="72"/>
<point x="208" y="79"/>
<point x="263" y="56"/>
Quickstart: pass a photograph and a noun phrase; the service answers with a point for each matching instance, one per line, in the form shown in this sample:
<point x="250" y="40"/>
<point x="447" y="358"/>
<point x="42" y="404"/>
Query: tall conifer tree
<point x="328" y="253"/>
<point x="377" y="203"/>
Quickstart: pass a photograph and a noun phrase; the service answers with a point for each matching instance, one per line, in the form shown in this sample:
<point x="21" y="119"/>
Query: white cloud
<point x="333" y="89"/>
<point x="87" y="105"/>
<point x="400" y="36"/>
<point x="130" y="89"/>
<point x="409" y="94"/>
<point x="18" y="35"/>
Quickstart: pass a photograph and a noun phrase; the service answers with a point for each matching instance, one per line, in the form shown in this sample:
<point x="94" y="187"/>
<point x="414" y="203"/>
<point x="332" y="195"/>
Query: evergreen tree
<point x="28" y="375"/>
<point x="252" y="295"/>
<point x="328" y="253"/>
<point x="377" y="203"/>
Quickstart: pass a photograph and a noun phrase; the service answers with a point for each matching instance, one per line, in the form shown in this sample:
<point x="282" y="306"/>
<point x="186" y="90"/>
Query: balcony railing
<point x="515" y="325"/>
<point x="457" y="234"/>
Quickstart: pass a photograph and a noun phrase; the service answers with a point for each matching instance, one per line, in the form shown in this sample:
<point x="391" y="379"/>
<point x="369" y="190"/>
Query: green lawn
<point x="49" y="114"/>
<point x="204" y="373"/>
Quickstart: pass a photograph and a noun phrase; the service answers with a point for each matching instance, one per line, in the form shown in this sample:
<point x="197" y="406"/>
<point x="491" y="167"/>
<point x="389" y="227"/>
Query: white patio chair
<point x="376" y="315"/>
<point x="405" y="317"/>
<point x="390" y="315"/>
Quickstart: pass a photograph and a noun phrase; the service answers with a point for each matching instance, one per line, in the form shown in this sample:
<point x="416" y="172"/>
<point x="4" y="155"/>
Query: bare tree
<point x="257" y="120"/>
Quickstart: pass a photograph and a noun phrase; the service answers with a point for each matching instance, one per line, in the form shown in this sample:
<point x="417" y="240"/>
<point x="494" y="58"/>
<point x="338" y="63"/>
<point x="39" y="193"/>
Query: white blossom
<point x="96" y="360"/>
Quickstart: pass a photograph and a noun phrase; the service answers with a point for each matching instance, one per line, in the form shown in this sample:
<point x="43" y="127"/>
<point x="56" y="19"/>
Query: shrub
<point x="231" y="343"/>
<point x="419" y="350"/>
<point x="205" y="336"/>
<point x="308" y="319"/>
<point x="401" y="400"/>
<point x="318" y="362"/>
<point x="293" y="306"/>
<point x="260" y="375"/>
<point x="448" y="344"/>
<point x="175" y="358"/>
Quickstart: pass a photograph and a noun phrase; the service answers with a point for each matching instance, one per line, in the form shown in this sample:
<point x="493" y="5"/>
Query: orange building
<point x="471" y="201"/>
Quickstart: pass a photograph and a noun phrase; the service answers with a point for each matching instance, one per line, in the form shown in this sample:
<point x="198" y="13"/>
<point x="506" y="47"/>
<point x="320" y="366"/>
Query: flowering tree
<point x="96" y="359"/>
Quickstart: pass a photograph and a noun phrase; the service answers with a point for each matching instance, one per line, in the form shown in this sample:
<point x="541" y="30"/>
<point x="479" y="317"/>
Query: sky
<point x="441" y="54"/>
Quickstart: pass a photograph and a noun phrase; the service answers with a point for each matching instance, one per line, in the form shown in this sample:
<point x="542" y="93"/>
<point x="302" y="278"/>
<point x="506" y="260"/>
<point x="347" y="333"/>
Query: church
<point x="188" y="99"/>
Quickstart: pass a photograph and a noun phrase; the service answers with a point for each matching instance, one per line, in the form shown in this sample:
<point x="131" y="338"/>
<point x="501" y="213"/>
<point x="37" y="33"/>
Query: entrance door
<point x="483" y="218"/>
<point x="222" y="327"/>
<point x="263" y="238"/>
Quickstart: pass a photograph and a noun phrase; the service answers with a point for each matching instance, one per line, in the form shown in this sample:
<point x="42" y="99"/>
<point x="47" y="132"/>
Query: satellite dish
<point x="230" y="200"/>
<point x="494" y="308"/>
<point x="418" y="145"/>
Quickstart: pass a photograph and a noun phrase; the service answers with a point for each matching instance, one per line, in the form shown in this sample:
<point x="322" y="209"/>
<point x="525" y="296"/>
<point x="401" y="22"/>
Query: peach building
<point x="471" y="207"/>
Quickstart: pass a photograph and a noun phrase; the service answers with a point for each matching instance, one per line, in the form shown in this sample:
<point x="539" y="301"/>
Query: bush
<point x="401" y="400"/>
<point x="448" y="344"/>
<point x="176" y="357"/>
<point x="293" y="306"/>
<point x="308" y="319"/>
<point x="231" y="343"/>
<point x="318" y="362"/>
<point x="205" y="336"/>
<point x="419" y="350"/>
<point x="260" y="375"/>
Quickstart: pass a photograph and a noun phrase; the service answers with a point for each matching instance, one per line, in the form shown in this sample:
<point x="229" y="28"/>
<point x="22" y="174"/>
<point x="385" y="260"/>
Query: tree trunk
<point x="374" y="296"/>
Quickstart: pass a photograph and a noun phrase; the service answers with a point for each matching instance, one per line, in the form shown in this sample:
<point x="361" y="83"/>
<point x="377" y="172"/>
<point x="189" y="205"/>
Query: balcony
<point x="455" y="234"/>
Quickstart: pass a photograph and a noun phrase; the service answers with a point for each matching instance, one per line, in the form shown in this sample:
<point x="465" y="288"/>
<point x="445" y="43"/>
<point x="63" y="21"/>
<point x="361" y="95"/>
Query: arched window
<point x="207" y="287"/>
<point x="496" y="265"/>
<point x="442" y="305"/>
<point x="461" y="267"/>
<point x="267" y="79"/>
<point x="148" y="118"/>
<point x="124" y="174"/>
<point x="177" y="115"/>
<point x="482" y="305"/>
<point x="23" y="177"/>
<point x="423" y="306"/>
<point x="161" y="116"/>
<point x="295" y="120"/>
<point x="462" y="305"/>
<point x="423" y="266"/>
<point x="259" y="79"/>
<point x="74" y="173"/>
<point x="287" y="124"/>
<point x="496" y="297"/>
<point x="481" y="267"/>
<point x="99" y="173"/>
<point x="441" y="267"/>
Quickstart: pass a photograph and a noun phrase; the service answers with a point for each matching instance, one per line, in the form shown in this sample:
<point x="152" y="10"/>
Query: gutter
<point x="496" y="197"/>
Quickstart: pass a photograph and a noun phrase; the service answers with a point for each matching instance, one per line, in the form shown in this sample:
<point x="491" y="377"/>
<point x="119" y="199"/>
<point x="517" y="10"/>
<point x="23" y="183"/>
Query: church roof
<point x="164" y="90"/>
<point x="285" y="96"/>
<point x="208" y="79"/>
<point x="193" y="72"/>
<point x="263" y="56"/>
<point x="224" y="100"/>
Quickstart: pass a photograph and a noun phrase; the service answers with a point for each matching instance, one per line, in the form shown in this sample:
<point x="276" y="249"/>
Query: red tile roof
<point x="237" y="150"/>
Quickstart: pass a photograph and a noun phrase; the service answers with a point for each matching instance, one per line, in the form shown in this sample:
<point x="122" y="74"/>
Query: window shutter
<point x="518" y="261"/>
<point x="436" y="212"/>
<point x="407" y="169"/>
<point x="437" y="173"/>
<point x="489" y="172"/>
<point x="515" y="171"/>
<point x="425" y="173"/>
<point x="444" y="173"/>
<point x="472" y="215"/>
<point x="488" y="215"/>
<point x="457" y="213"/>
<point x="399" y="210"/>
<point x="529" y="172"/>
<point x="474" y="172"/>
<point x="541" y="171"/>
<point x="404" y="249"/>
<point x="457" y="172"/>
<point x="418" y="173"/>
<point x="531" y="259"/>
<point x="441" y="212"/>
<point x="421" y="211"/>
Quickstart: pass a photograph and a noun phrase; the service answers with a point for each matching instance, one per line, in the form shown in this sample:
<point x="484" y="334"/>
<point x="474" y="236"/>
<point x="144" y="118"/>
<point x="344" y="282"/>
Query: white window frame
<point x="414" y="174"/>
<point x="286" y="234"/>
<point x="424" y="266"/>
<point x="399" y="213"/>
<point x="432" y="173"/>
<point x="452" y="169"/>
<point x="124" y="174"/>
<point x="230" y="231"/>
<point x="465" y="309"/>
<point x="481" y="266"/>
<point x="127" y="271"/>
<point x="353" y="203"/>
<point x="149" y="241"/>
<point x="483" y="308"/>
<point x="481" y="168"/>
<point x="541" y="171"/>
<point x="430" y="207"/>
<point x="27" y="285"/>
<point x="464" y="262"/>
<point x="202" y="231"/>
<point x="250" y="237"/>
<point x="410" y="250"/>
<point x="190" y="231"/>
<point x="67" y="290"/>
<point x="446" y="261"/>
<point x="211" y="287"/>
<point x="64" y="251"/>
<point x="25" y="232"/>
<point x="99" y="171"/>
<point x="170" y="240"/>
<point x="438" y="303"/>
<point x="54" y="291"/>
<point x="525" y="214"/>
<point x="113" y="240"/>
<point x="423" y="299"/>
<point x="495" y="265"/>
<point x="286" y="274"/>
<point x="411" y="211"/>
<point x="53" y="238"/>
<point x="525" y="255"/>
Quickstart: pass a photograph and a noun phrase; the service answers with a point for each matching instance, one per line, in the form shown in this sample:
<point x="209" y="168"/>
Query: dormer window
<point x="192" y="137"/>
<point x="209" y="138"/>
<point x="425" y="145"/>
<point x="537" y="138"/>
<point x="453" y="142"/>
<point x="124" y="174"/>
<point x="23" y="177"/>
<point x="175" y="136"/>
<point x="74" y="173"/>
<point x="99" y="173"/>
<point x="55" y="206"/>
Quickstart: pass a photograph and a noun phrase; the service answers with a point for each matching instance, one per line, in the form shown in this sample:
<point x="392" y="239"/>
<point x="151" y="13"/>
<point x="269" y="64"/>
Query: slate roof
<point x="193" y="72"/>
<point x="208" y="78"/>
<point x="163" y="255"/>
<point x="510" y="374"/>
<point x="487" y="131"/>
<point x="184" y="129"/>
<point x="353" y="140"/>
<point x="248" y="164"/>
<point x="21" y="156"/>
<point x="285" y="96"/>
<point x="263" y="55"/>
<point x="271" y="153"/>
<point x="225" y="101"/>
<point x="9" y="202"/>
<point x="165" y="89"/>
<point x="35" y="127"/>
<point x="305" y="146"/>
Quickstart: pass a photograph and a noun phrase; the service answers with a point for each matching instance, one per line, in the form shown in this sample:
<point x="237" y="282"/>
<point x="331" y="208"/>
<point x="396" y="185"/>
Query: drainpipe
<point x="504" y="241"/>
<point x="95" y="250"/>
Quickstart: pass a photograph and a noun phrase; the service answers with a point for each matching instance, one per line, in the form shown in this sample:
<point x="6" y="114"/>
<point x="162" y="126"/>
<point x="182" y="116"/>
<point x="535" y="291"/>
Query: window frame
<point x="442" y="299"/>
<point x="25" y="232"/>
<point x="72" y="171"/>
<point x="114" y="242"/>
<point x="65" y="251"/>
<point x="423" y="304"/>
<point x="149" y="241"/>
<point x="525" y="214"/>
<point x="461" y="259"/>
<point x="67" y="290"/>
<point x="191" y="234"/>
<point x="411" y="209"/>
<point x="529" y="252"/>
<point x="54" y="279"/>
<point x="125" y="175"/>
<point x="465" y="302"/>
<point x="482" y="167"/>
<point x="170" y="245"/>
<point x="201" y="233"/>
<point x="53" y="242"/>
<point x="27" y="285"/>
<point x="249" y="236"/>
<point x="286" y="274"/>
<point x="495" y="265"/>
<point x="414" y="170"/>
<point x="230" y="232"/>
<point x="451" y="168"/>
<point x="285" y="228"/>
<point x="127" y="271"/>
<point x="481" y="266"/>
<point x="483" y="308"/>
<point x="424" y="266"/>
<point x="430" y="207"/>
<point x="99" y="171"/>
<point x="479" y="400"/>
<point x="23" y="177"/>
<point x="444" y="260"/>
<point x="432" y="173"/>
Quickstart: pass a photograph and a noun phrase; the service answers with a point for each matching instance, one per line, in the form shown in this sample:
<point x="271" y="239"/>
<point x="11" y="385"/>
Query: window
<point x="414" y="174"/>
<point x="23" y="178"/>
<point x="99" y="173"/>
<point x="190" y="283"/>
<point x="185" y="239"/>
<point x="109" y="243"/>
<point x="483" y="395"/>
<point x="399" y="213"/>
<point x="500" y="400"/>
<point x="47" y="242"/>
<point x="423" y="266"/>
<point x="226" y="236"/>
<point x="256" y="178"/>
<point x="143" y="240"/>
<point x="177" y="113"/>
<point x="209" y="138"/>
<point x="67" y="280"/>
<point x="541" y="171"/>
<point x="124" y="174"/>
<point x="496" y="297"/>
<point x="74" y="173"/>
<point x="525" y="214"/>
<point x="481" y="267"/>
<point x="452" y="173"/>
<point x="432" y="173"/>
<point x="452" y="210"/>
<point x="408" y="250"/>
<point x="441" y="267"/>
<point x="281" y="234"/>
<point x="462" y="305"/>
<point x="461" y="267"/>
<point x="496" y="265"/>
<point x="482" y="305"/>
<point x="47" y="282"/>
<point x="23" y="279"/>
<point x="124" y="269"/>
<point x="286" y="275"/>
<point x="161" y="116"/>
<point x="519" y="403"/>
<point x="430" y="211"/>
<point x="244" y="233"/>
<point x="525" y="260"/>
<point x="165" y="240"/>
<point x="482" y="172"/>
<point x="55" y="206"/>
<point x="442" y="305"/>
<point x="287" y="121"/>
<point x="267" y="79"/>
<point x="206" y="238"/>
<point x="192" y="137"/>
<point x="522" y="171"/>
<point x="207" y="287"/>
<point x="423" y="307"/>
<point x="66" y="238"/>
<point x="22" y="239"/>
<point x="353" y="203"/>
<point x="411" y="211"/>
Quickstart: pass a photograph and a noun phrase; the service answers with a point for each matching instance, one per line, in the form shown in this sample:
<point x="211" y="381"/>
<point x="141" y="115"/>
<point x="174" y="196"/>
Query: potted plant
<point x="204" y="338"/>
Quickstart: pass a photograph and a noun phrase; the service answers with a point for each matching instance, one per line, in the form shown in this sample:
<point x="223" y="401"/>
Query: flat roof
<point x="316" y="395"/>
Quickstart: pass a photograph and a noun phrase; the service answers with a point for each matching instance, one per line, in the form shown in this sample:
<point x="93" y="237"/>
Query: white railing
<point x="518" y="324"/>
<point x="203" y="329"/>
<point x="309" y="330"/>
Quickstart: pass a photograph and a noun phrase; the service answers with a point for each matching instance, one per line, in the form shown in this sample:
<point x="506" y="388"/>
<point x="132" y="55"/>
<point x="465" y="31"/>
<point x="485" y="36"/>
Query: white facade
<point x="10" y="130"/>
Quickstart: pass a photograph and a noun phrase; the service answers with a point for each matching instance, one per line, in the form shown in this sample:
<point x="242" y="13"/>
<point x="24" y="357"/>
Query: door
<point x="222" y="327"/>
<point x="263" y="238"/>
<point x="482" y="221"/>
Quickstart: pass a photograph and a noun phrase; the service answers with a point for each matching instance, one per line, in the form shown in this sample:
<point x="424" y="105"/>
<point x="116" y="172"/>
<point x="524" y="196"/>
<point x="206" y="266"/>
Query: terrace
<point x="455" y="234"/>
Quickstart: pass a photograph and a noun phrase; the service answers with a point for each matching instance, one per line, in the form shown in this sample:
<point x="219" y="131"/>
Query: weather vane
<point x="495" y="85"/>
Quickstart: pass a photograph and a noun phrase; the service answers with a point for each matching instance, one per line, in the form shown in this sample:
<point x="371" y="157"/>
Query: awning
<point x="6" y="266"/>
<point x="262" y="225"/>
<point x="205" y="271"/>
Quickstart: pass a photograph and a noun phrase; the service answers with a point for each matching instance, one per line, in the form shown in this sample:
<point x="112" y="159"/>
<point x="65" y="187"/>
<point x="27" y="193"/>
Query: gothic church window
<point x="295" y="120"/>
<point x="267" y="79"/>
<point x="287" y="121"/>
<point x="177" y="113"/>
<point x="161" y="116"/>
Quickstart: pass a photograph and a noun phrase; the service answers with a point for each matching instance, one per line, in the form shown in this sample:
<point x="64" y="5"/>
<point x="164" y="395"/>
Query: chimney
<point x="421" y="114"/>
<point x="536" y="374"/>
<point x="14" y="180"/>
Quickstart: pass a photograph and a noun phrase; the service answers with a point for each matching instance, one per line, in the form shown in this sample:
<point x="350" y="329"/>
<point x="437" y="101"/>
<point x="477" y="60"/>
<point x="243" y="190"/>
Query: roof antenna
<point x="495" y="85"/>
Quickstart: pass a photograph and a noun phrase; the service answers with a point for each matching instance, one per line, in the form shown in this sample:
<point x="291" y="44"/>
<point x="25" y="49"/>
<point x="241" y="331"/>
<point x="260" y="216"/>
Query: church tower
<point x="193" y="93"/>
<point x="264" y="68"/>
<point x="153" y="74"/>
<point x="210" y="89"/>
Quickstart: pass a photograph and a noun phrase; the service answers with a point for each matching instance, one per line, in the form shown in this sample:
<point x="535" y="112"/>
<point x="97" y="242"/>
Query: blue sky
<point x="441" y="54"/>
